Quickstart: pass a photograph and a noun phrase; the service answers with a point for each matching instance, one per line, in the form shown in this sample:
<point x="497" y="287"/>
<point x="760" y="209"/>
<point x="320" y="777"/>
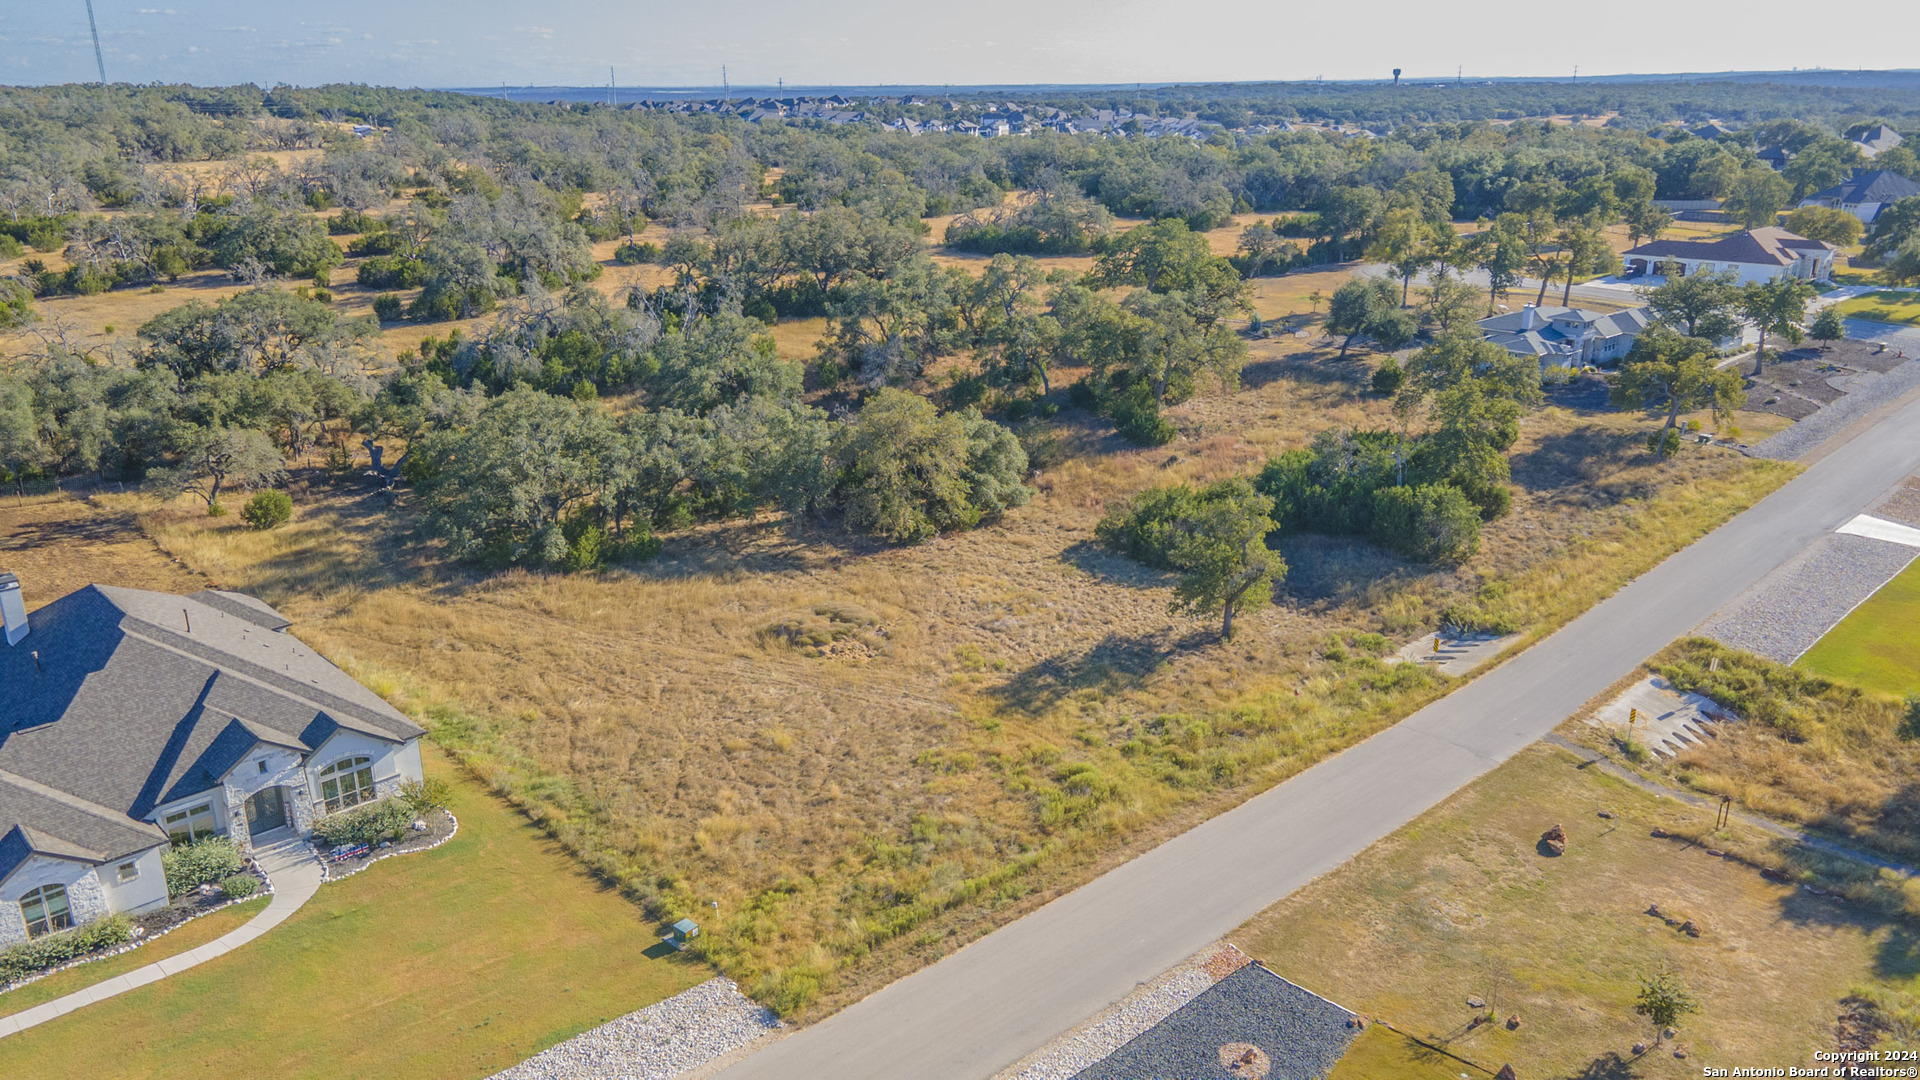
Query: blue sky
<point x="855" y="42"/>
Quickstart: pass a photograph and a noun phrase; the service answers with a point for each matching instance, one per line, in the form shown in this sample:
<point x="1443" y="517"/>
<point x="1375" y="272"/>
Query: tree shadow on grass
<point x="1113" y="567"/>
<point x="1608" y="1066"/>
<point x="1315" y="368"/>
<point x="1115" y="663"/>
<point x="1339" y="568"/>
<point x="1570" y="461"/>
<point x="1874" y="916"/>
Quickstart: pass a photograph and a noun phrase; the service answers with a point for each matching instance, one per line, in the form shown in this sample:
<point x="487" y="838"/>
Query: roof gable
<point x="140" y="698"/>
<point x="43" y="821"/>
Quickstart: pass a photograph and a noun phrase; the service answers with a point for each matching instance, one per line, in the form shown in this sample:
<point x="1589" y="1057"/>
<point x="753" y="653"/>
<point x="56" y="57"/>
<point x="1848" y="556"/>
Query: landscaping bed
<point x="148" y="927"/>
<point x="341" y="860"/>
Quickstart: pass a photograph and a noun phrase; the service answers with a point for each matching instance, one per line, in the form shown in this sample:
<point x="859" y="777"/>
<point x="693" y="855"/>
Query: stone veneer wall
<point x="86" y="899"/>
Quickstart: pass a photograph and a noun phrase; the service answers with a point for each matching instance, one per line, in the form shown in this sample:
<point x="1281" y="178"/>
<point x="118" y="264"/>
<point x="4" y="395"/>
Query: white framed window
<point x="263" y="765"/>
<point x="128" y="871"/>
<point x="347" y="782"/>
<point x="45" y="910"/>
<point x="185" y="826"/>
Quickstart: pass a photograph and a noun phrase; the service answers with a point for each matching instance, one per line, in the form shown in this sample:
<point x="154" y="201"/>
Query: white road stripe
<point x="1881" y="529"/>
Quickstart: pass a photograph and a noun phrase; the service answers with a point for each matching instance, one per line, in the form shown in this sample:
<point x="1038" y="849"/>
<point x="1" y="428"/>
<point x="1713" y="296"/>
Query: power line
<point x="97" y="58"/>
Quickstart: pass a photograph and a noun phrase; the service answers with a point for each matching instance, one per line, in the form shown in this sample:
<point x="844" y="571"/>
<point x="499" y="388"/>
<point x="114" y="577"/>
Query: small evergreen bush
<point x="239" y="886"/>
<point x="268" y="510"/>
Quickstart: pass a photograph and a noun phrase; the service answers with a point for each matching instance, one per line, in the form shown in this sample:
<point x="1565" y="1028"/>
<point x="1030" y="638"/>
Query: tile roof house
<point x="1764" y="254"/>
<point x="1865" y="193"/>
<point x="132" y="720"/>
<point x="1565" y="336"/>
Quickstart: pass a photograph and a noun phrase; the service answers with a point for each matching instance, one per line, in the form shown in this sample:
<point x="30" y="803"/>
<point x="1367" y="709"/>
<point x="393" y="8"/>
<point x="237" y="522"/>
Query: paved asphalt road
<point x="1000" y="998"/>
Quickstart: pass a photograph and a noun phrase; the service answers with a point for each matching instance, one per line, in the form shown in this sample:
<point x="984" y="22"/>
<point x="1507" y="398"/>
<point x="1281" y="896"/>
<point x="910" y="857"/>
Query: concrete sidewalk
<point x="296" y="874"/>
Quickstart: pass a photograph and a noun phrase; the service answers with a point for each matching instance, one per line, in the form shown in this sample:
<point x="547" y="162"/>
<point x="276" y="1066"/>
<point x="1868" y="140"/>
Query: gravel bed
<point x="1111" y="1029"/>
<point x="1251" y="1023"/>
<point x="1796" y="605"/>
<point x="660" y="1041"/>
<point x="1868" y="392"/>
<point x="1901" y="505"/>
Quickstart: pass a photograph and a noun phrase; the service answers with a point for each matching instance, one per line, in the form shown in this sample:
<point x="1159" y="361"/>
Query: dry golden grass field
<point x="869" y="755"/>
<point x="1463" y="903"/>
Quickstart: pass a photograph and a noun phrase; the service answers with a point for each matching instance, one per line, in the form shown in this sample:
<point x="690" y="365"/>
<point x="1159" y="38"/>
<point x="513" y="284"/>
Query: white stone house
<point x="1565" y="336"/>
<point x="133" y="720"/>
<point x="1765" y="254"/>
<point x="1865" y="193"/>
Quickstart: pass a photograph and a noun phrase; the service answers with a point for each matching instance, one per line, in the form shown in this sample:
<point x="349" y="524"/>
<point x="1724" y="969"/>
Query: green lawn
<point x="1878" y="645"/>
<point x="191" y="936"/>
<point x="1884" y="306"/>
<point x="454" y="963"/>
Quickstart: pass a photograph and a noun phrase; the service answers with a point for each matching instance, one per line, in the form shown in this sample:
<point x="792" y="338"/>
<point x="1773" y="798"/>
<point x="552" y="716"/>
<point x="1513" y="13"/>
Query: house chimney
<point x="1527" y="315"/>
<point x="13" y="609"/>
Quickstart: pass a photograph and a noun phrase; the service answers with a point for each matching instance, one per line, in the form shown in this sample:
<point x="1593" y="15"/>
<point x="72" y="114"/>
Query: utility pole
<point x="97" y="58"/>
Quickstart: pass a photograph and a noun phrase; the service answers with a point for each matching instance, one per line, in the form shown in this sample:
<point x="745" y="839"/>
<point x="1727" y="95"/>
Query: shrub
<point x="213" y="859"/>
<point x="1137" y="415"/>
<point x="239" y="886"/>
<point x="388" y="819"/>
<point x="425" y="796"/>
<point x="387" y="307"/>
<point x="1143" y="529"/>
<point x="52" y="950"/>
<point x="1388" y="377"/>
<point x="635" y="254"/>
<point x="268" y="510"/>
<point x="1432" y="523"/>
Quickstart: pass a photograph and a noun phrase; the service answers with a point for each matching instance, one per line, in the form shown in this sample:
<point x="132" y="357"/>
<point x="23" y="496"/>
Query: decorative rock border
<point x="1100" y="1035"/>
<point x="688" y="1031"/>
<point x="329" y="872"/>
<point x="265" y="891"/>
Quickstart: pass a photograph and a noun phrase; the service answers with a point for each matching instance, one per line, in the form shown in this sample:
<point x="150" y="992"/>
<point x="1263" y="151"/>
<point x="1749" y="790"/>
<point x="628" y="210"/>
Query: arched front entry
<point x="266" y="810"/>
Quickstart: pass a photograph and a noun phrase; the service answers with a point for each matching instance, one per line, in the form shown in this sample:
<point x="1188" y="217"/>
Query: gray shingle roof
<point x="251" y="608"/>
<point x="1510" y="331"/>
<point x="1870" y="186"/>
<point x="40" y="820"/>
<point x="139" y="698"/>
